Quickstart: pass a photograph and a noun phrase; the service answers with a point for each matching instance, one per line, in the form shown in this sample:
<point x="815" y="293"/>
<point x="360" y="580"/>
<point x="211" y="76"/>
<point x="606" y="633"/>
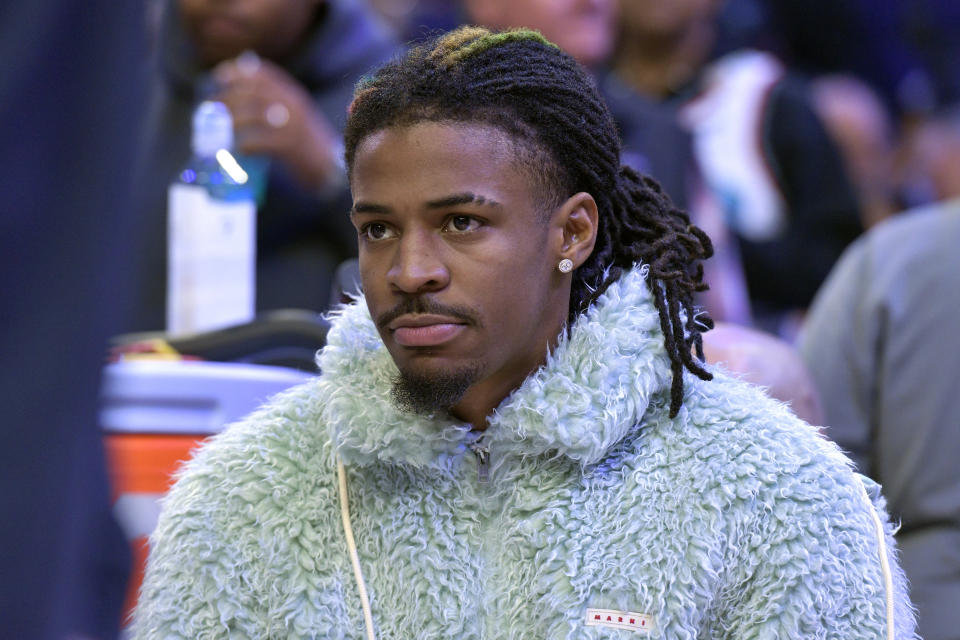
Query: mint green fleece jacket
<point x="732" y="520"/>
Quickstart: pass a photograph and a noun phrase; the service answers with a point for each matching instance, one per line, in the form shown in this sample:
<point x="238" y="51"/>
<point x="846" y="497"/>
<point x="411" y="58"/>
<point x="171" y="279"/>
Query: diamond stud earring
<point x="566" y="265"/>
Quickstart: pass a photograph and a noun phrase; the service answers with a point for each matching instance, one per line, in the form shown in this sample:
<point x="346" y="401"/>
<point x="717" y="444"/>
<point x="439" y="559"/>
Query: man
<point x="878" y="346"/>
<point x="511" y="437"/>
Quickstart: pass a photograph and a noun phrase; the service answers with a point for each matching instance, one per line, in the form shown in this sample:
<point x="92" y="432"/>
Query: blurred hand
<point x="274" y="115"/>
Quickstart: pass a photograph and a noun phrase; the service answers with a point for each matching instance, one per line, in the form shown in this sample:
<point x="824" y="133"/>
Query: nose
<point x="417" y="266"/>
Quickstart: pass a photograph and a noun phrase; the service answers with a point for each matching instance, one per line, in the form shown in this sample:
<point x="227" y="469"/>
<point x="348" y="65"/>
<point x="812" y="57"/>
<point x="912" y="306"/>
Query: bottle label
<point x="211" y="261"/>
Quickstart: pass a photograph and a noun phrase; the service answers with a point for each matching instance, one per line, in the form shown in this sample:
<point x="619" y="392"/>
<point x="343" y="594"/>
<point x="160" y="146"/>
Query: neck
<point x="482" y="398"/>
<point x="479" y="402"/>
<point x="659" y="66"/>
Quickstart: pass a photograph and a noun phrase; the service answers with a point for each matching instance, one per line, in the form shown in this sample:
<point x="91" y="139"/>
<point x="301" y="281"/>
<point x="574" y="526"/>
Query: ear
<point x="578" y="219"/>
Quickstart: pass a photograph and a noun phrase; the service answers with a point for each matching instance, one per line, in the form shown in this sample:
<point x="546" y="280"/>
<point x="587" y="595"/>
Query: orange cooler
<point x="141" y="471"/>
<point x="154" y="413"/>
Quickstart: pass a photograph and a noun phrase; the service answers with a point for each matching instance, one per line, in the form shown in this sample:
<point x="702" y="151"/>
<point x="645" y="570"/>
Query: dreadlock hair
<point x="523" y="84"/>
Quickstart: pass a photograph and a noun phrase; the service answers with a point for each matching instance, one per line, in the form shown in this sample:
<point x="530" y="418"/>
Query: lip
<point x="425" y="330"/>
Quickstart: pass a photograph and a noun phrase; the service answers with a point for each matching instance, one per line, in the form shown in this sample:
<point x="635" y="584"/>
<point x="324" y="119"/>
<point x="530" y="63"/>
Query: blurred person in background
<point x="582" y="28"/>
<point x="289" y="104"/>
<point x="71" y="96"/>
<point x="858" y="121"/>
<point x="763" y="151"/>
<point x="414" y="19"/>
<point x="932" y="158"/>
<point x="880" y="343"/>
<point x="905" y="49"/>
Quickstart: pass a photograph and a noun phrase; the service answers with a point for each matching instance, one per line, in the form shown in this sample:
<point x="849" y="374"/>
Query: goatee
<point x="428" y="394"/>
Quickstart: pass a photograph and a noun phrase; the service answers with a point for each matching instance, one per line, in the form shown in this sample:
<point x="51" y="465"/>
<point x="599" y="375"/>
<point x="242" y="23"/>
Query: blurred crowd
<point x="785" y="129"/>
<point x="788" y="130"/>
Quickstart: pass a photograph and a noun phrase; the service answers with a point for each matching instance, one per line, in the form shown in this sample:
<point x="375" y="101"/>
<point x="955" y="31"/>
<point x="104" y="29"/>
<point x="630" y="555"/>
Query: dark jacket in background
<point x="824" y="212"/>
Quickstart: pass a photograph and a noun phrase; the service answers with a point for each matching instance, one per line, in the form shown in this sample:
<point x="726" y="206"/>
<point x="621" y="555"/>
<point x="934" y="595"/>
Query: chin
<point x="425" y="367"/>
<point x="429" y="390"/>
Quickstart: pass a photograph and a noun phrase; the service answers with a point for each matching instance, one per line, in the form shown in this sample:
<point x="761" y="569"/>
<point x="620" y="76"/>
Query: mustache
<point x="420" y="304"/>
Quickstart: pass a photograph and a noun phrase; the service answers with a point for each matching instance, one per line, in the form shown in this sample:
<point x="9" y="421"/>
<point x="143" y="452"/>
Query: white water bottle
<point x="211" y="232"/>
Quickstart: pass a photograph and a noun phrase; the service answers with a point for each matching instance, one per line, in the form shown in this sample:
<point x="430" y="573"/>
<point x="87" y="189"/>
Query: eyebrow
<point x="440" y="203"/>
<point x="462" y="198"/>
<point x="369" y="207"/>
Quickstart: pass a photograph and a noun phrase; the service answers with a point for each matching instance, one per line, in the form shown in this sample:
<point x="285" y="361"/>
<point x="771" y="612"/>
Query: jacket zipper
<point x="483" y="461"/>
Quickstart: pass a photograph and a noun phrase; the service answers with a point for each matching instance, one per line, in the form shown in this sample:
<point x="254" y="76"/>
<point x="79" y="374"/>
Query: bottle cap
<point x="212" y="129"/>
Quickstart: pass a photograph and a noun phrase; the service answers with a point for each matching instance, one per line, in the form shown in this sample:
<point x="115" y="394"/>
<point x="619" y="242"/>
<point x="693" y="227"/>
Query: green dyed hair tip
<point x="467" y="41"/>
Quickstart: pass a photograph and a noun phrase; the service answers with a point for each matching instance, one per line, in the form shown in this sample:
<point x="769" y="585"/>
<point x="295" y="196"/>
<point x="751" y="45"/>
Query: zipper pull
<point x="483" y="462"/>
<point x="483" y="465"/>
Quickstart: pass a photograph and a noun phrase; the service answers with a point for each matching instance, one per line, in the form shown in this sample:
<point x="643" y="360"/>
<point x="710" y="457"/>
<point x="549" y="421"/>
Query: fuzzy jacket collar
<point x="594" y="387"/>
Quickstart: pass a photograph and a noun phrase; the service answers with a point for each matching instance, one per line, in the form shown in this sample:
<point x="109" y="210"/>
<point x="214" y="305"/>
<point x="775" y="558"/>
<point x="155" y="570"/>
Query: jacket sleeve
<point x="818" y="560"/>
<point x="247" y="534"/>
<point x="193" y="586"/>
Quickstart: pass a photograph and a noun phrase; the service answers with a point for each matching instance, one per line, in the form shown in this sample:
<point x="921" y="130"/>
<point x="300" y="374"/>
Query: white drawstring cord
<point x="884" y="563"/>
<point x="352" y="548"/>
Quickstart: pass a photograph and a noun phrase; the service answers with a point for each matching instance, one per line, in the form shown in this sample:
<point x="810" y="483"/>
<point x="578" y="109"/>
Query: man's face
<point x="582" y="28"/>
<point x="223" y="29"/>
<point x="457" y="257"/>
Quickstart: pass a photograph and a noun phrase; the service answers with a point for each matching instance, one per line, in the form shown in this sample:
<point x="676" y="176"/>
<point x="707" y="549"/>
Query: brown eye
<point x="462" y="223"/>
<point x="376" y="231"/>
